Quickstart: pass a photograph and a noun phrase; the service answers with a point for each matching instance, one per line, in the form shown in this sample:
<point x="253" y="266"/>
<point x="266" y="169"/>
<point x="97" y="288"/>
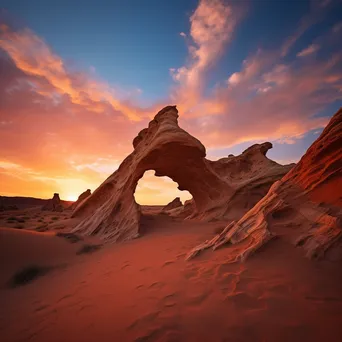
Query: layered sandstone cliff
<point x="304" y="207"/>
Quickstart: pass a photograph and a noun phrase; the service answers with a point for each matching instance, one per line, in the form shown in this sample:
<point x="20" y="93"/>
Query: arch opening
<point x="158" y="191"/>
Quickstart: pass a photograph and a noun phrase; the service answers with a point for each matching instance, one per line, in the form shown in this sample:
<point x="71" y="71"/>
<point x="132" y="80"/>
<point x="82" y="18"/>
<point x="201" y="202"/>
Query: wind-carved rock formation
<point x="225" y="188"/>
<point x="53" y="204"/>
<point x="80" y="199"/>
<point x="176" y="203"/>
<point x="304" y="207"/>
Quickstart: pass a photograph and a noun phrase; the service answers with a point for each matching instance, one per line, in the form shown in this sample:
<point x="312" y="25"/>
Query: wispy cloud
<point x="34" y="57"/>
<point x="212" y="27"/>
<point x="308" y="51"/>
<point x="271" y="98"/>
<point x="318" y="10"/>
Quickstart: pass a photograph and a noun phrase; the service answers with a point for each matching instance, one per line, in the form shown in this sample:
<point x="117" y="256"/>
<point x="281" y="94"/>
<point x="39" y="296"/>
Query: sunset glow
<point x="70" y="109"/>
<point x="72" y="198"/>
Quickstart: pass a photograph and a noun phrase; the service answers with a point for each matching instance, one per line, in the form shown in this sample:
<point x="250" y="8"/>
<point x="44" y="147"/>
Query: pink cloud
<point x="212" y="27"/>
<point x="35" y="58"/>
<point x="308" y="51"/>
<point x="270" y="99"/>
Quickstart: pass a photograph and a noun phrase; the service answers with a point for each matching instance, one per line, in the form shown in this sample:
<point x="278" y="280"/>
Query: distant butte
<point x="222" y="189"/>
<point x="53" y="204"/>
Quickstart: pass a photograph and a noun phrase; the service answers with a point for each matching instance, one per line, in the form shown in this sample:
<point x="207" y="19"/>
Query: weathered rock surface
<point x="176" y="203"/>
<point x="53" y="204"/>
<point x="226" y="188"/>
<point x="304" y="207"/>
<point x="80" y="199"/>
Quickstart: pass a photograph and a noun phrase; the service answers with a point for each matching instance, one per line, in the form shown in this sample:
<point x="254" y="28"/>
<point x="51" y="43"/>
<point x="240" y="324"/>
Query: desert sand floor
<point x="144" y="290"/>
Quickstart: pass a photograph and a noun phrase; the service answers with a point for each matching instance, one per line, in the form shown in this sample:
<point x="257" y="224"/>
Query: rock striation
<point x="53" y="204"/>
<point x="176" y="203"/>
<point x="80" y="199"/>
<point x="223" y="189"/>
<point x="304" y="207"/>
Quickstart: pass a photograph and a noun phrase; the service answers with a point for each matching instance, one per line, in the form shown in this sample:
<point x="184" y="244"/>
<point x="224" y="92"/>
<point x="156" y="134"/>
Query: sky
<point x="80" y="79"/>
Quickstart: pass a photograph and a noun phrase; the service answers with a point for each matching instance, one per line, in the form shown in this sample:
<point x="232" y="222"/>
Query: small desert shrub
<point x="25" y="218"/>
<point x="28" y="274"/>
<point x="73" y="238"/>
<point x="87" y="249"/>
<point x="55" y="218"/>
<point x="21" y="220"/>
<point x="40" y="220"/>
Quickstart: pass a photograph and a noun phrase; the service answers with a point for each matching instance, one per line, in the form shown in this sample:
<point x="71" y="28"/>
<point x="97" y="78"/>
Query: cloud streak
<point x="34" y="57"/>
<point x="211" y="28"/>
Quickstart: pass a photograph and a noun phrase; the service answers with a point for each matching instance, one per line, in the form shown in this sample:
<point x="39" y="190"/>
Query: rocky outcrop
<point x="221" y="189"/>
<point x="304" y="207"/>
<point x="80" y="199"/>
<point x="176" y="203"/>
<point x="53" y="204"/>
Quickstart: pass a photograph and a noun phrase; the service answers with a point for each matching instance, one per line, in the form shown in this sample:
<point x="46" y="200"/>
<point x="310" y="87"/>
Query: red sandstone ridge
<point x="304" y="207"/>
<point x="226" y="188"/>
<point x="176" y="203"/>
<point x="80" y="199"/>
<point x="53" y="204"/>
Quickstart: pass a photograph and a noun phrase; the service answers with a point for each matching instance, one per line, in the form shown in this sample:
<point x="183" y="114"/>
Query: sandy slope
<point x="144" y="290"/>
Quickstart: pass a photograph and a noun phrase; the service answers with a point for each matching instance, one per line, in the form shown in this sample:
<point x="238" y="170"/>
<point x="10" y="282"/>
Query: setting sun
<point x="72" y="198"/>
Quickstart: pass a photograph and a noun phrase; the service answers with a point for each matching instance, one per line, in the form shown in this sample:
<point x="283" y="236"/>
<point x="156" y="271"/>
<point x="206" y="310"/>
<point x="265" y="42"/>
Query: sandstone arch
<point x="217" y="187"/>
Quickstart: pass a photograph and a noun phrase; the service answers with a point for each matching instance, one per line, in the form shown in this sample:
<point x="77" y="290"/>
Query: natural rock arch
<point x="111" y="211"/>
<point x="158" y="191"/>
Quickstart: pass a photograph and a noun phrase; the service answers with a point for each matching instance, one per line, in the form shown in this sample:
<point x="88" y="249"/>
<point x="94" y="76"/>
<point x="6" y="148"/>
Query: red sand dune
<point x="144" y="290"/>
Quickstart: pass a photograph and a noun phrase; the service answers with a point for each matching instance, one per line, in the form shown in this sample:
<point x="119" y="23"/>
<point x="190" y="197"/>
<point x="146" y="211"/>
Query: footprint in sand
<point x="144" y="269"/>
<point x="65" y="297"/>
<point x="169" y="300"/>
<point x="144" y="320"/>
<point x="156" y="285"/>
<point x="166" y="263"/>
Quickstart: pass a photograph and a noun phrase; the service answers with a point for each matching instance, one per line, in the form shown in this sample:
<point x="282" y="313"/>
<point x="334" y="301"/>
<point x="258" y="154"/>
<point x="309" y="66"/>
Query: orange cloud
<point x="34" y="57"/>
